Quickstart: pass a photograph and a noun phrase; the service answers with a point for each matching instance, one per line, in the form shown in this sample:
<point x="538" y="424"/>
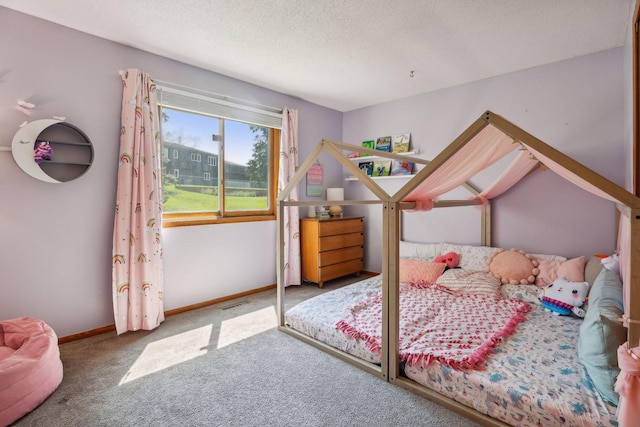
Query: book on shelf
<point x="366" y="167"/>
<point x="401" y="168"/>
<point x="381" y="168"/>
<point x="367" y="144"/>
<point x="401" y="143"/>
<point x="384" y="143"/>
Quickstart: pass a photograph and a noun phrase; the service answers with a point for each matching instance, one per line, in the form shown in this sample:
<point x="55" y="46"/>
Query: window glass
<point x="218" y="168"/>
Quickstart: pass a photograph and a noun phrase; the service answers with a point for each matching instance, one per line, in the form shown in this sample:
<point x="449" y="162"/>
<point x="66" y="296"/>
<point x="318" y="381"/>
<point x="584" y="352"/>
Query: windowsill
<point x="204" y="220"/>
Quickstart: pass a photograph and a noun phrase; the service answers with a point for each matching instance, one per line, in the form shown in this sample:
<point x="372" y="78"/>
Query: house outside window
<point x="237" y="181"/>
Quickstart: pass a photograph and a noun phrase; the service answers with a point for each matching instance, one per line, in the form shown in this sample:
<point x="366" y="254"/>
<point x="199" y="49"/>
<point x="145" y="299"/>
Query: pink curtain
<point x="291" y="223"/>
<point x="137" y="276"/>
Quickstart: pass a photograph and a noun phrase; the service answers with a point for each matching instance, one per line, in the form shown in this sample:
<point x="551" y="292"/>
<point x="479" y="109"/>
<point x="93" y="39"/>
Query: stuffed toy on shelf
<point x="42" y="152"/>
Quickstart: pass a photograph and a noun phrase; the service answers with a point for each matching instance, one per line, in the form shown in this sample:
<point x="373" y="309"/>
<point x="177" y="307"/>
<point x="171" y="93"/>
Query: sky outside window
<point x="195" y="131"/>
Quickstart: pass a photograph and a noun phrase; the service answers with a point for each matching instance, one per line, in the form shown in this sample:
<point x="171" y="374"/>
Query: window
<point x="175" y="154"/>
<point x="237" y="181"/>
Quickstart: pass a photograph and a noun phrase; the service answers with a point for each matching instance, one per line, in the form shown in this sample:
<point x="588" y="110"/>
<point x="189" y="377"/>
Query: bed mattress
<point x="532" y="379"/>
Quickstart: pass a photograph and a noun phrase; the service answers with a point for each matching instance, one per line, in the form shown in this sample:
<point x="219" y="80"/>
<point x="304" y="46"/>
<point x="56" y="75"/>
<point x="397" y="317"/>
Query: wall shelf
<point x="354" y="178"/>
<point x="72" y="150"/>
<point x="374" y="158"/>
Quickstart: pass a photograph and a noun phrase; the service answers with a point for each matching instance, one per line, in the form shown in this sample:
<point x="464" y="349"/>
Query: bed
<point x="533" y="377"/>
<point x="494" y="395"/>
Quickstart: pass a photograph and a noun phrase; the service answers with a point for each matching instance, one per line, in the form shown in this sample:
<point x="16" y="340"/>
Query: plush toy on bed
<point x="563" y="297"/>
<point x="612" y="263"/>
<point x="450" y="258"/>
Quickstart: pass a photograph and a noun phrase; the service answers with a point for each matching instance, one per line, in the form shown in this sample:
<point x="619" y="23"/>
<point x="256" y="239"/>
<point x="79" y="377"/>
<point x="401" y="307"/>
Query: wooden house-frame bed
<point x="491" y="137"/>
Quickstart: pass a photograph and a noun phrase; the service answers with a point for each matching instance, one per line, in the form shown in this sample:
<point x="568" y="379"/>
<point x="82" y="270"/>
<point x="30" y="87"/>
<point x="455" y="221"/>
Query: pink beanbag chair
<point x="30" y="366"/>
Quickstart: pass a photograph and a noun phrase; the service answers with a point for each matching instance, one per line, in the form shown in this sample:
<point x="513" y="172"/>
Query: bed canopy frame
<point x="488" y="139"/>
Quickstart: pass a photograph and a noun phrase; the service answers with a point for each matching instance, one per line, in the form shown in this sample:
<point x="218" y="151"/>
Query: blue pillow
<point x="601" y="334"/>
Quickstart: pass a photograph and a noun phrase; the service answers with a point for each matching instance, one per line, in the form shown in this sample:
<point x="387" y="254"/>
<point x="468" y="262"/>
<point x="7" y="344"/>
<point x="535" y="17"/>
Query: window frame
<point x="221" y="216"/>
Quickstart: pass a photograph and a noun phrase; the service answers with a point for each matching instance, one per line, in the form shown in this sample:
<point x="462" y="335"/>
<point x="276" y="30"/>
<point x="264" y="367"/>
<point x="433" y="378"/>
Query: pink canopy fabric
<point x="522" y="165"/>
<point x="570" y="176"/>
<point x="624" y="237"/>
<point x="487" y="147"/>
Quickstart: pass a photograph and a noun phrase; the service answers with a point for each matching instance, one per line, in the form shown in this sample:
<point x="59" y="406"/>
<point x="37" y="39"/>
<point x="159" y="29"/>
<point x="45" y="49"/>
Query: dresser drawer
<point x="342" y="269"/>
<point x="340" y="241"/>
<point x="340" y="255"/>
<point x="330" y="228"/>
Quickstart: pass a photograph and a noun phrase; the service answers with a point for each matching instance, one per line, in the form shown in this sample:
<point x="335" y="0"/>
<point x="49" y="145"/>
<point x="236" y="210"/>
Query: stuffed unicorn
<point x="42" y="152"/>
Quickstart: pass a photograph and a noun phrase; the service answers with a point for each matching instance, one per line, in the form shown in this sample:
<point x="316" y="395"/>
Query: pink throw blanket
<point x="457" y="330"/>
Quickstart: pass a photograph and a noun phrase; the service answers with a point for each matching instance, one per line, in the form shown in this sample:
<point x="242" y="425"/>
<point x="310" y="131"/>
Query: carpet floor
<point x="224" y="365"/>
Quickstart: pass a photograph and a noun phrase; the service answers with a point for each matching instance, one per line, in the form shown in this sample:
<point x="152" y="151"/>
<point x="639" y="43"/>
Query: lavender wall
<point x="56" y="238"/>
<point x="577" y="106"/>
<point x="55" y="249"/>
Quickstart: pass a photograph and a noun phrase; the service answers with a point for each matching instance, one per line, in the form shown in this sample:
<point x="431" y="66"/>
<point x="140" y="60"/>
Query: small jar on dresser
<point x="331" y="248"/>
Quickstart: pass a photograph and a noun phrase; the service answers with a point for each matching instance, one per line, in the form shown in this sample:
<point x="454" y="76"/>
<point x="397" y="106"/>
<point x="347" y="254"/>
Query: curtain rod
<point x="217" y="95"/>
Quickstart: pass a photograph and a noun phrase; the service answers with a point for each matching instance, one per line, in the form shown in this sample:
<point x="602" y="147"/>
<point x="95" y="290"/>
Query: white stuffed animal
<point x="565" y="297"/>
<point x="612" y="263"/>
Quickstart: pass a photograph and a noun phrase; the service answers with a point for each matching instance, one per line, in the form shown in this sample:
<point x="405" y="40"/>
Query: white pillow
<point x="471" y="257"/>
<point x="425" y="251"/>
<point x="545" y="257"/>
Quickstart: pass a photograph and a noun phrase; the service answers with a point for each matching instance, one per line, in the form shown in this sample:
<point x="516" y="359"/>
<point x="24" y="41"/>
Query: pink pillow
<point x="572" y="270"/>
<point x="420" y="273"/>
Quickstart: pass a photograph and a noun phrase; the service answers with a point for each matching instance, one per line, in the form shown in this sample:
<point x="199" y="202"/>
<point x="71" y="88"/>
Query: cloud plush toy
<point x="563" y="297"/>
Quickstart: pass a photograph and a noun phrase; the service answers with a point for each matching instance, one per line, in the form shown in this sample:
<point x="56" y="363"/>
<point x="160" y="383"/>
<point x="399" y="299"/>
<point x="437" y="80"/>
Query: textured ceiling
<point x="348" y="54"/>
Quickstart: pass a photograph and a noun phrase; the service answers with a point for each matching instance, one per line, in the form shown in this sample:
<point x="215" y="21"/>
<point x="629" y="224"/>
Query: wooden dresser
<point x="331" y="248"/>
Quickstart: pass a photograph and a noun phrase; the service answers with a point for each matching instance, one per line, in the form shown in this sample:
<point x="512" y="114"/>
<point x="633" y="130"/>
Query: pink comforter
<point x="30" y="366"/>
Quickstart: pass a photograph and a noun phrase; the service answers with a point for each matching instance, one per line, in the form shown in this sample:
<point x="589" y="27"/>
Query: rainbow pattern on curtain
<point x="137" y="276"/>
